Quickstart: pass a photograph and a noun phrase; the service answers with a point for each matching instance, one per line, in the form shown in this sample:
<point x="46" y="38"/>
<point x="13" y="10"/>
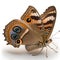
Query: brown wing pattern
<point x="48" y="20"/>
<point x="13" y="31"/>
<point x="31" y="15"/>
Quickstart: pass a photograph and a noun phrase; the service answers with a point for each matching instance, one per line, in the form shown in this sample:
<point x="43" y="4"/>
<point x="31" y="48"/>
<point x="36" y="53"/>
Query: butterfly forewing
<point x="48" y="20"/>
<point x="31" y="15"/>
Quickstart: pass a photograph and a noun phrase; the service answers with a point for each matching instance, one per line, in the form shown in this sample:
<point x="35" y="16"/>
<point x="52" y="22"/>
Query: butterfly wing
<point x="16" y="28"/>
<point x="48" y="20"/>
<point x="13" y="31"/>
<point x="31" y="15"/>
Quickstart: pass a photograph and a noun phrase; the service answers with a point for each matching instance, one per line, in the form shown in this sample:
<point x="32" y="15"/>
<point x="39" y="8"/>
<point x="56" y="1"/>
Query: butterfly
<point x="33" y="30"/>
<point x="45" y="22"/>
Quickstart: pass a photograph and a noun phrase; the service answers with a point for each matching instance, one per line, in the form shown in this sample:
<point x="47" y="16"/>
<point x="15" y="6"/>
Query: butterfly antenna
<point x="52" y="48"/>
<point x="56" y="38"/>
<point x="55" y="34"/>
<point x="55" y="45"/>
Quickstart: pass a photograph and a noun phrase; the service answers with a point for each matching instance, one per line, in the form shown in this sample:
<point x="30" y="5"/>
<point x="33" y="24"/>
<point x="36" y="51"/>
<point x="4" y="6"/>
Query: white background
<point x="13" y="9"/>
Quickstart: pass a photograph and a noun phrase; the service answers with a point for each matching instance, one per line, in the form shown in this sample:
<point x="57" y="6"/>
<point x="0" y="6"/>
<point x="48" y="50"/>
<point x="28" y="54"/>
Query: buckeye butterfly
<point x="33" y="30"/>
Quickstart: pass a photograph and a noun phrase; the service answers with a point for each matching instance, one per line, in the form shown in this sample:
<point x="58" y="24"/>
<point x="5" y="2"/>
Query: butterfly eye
<point x="15" y="36"/>
<point x="17" y="29"/>
<point x="28" y="20"/>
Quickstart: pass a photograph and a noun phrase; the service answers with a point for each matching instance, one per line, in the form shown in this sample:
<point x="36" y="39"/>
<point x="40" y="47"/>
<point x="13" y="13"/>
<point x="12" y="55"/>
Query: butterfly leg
<point x="52" y="48"/>
<point x="55" y="45"/>
<point x="46" y="52"/>
<point x="50" y="41"/>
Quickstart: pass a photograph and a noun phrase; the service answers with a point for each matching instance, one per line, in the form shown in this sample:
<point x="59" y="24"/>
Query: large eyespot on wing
<point x="48" y="19"/>
<point x="15" y="36"/>
<point x="17" y="29"/>
<point x="30" y="14"/>
<point x="13" y="31"/>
